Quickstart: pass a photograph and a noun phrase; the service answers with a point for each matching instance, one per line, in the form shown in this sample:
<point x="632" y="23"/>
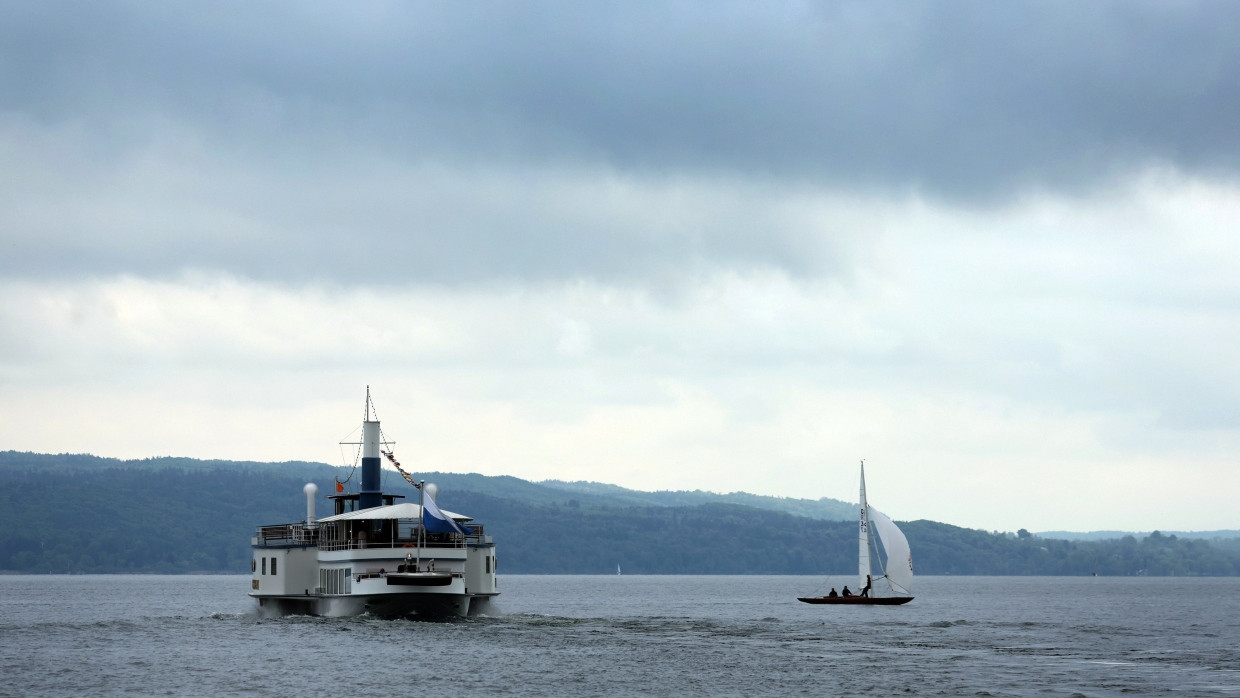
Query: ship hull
<point x="428" y="606"/>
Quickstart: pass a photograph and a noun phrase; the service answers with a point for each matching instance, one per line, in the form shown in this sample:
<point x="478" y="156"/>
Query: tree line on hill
<point x="81" y="514"/>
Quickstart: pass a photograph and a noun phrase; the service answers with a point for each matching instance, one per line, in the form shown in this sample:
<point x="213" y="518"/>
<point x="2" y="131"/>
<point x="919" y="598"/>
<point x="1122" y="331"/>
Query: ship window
<point x="264" y="565"/>
<point x="335" y="581"/>
<point x="273" y="565"/>
<point x="488" y="564"/>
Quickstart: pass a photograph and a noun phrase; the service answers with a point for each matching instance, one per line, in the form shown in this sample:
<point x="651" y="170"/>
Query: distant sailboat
<point x="617" y="569"/>
<point x="895" y="567"/>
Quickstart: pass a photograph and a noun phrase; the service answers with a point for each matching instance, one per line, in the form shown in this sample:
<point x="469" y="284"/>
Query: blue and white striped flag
<point x="436" y="521"/>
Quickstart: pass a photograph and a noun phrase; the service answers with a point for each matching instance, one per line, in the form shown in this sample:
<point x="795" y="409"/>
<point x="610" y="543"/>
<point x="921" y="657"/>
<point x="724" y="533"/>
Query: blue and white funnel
<point x="371" y="495"/>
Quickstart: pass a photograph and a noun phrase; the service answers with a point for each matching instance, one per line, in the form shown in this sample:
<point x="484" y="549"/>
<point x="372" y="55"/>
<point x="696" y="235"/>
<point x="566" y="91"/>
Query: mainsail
<point x="863" y="555"/>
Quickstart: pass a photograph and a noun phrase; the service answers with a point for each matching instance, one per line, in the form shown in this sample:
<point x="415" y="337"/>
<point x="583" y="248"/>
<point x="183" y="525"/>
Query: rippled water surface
<point x="611" y="635"/>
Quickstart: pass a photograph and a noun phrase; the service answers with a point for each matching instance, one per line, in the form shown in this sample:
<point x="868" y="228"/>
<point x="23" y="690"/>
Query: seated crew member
<point x="832" y="595"/>
<point x="847" y="592"/>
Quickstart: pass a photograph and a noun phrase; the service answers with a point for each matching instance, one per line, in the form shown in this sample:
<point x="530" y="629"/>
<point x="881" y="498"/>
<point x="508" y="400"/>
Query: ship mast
<point x="421" y="522"/>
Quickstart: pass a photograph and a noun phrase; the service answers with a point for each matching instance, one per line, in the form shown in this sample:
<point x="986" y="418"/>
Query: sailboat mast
<point x="863" y="557"/>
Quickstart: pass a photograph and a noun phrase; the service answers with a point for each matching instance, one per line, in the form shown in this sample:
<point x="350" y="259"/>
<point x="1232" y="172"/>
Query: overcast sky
<point x="992" y="248"/>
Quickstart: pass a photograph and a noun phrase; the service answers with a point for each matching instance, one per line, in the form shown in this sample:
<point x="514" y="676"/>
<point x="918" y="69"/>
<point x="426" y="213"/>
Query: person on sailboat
<point x="866" y="591"/>
<point x="846" y="591"/>
<point x="832" y="595"/>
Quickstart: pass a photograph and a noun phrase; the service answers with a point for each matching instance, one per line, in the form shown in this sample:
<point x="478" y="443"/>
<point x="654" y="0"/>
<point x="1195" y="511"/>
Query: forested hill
<point x="69" y="513"/>
<point x="504" y="487"/>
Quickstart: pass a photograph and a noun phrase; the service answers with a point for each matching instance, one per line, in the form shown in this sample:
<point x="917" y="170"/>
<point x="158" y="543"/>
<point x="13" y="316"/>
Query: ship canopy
<point x="404" y="510"/>
<point x="899" y="560"/>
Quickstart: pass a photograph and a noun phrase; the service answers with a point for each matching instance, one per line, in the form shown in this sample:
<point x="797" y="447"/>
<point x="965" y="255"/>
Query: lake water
<point x="632" y="635"/>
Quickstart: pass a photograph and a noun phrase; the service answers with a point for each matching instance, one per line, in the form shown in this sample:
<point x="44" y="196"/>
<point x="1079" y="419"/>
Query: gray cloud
<point x="297" y="137"/>
<point x="955" y="98"/>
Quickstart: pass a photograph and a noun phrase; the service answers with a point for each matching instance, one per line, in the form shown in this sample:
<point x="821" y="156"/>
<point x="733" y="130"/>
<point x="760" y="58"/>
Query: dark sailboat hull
<point x="857" y="600"/>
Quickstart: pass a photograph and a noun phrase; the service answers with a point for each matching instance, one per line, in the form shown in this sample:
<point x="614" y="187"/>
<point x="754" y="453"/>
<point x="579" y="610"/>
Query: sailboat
<point x="893" y="563"/>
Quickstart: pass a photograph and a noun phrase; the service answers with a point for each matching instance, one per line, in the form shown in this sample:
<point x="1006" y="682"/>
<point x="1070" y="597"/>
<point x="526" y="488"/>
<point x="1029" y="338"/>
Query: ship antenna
<point x="366" y="409"/>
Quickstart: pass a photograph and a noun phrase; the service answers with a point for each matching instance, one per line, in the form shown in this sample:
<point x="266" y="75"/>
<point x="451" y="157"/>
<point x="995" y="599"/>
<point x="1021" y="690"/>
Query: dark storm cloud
<point x="968" y="102"/>
<point x="952" y="97"/>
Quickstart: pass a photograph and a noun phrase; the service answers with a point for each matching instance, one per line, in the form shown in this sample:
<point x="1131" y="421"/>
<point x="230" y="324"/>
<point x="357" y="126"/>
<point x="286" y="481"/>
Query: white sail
<point x="899" y="557"/>
<point x="863" y="567"/>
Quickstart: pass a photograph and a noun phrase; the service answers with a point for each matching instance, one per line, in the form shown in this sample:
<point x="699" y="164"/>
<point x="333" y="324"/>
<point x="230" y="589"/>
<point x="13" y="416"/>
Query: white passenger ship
<point x="374" y="555"/>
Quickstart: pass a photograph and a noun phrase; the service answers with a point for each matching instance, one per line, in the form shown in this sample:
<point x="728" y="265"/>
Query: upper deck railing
<point x="287" y="534"/>
<point x="336" y="536"/>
